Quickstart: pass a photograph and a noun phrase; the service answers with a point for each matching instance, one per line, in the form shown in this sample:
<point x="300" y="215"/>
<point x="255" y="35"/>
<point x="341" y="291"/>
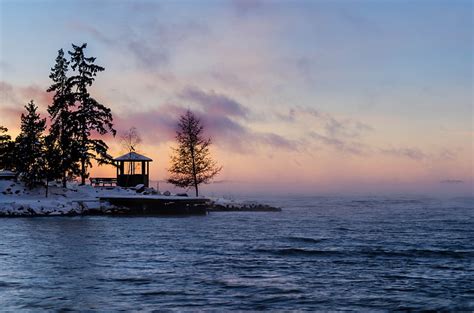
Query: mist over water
<point x="319" y="253"/>
<point x="282" y="189"/>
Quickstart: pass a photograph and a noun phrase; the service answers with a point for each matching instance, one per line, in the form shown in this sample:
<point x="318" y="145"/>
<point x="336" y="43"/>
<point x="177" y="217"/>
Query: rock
<point x="166" y="193"/>
<point x="149" y="191"/>
<point x="139" y="188"/>
<point x="242" y="207"/>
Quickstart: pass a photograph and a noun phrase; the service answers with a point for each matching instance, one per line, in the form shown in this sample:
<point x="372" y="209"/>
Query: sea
<point x="319" y="254"/>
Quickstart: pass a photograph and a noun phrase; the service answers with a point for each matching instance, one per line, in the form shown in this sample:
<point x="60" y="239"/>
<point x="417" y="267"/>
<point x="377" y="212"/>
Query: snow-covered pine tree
<point x="63" y="123"/>
<point x="191" y="165"/>
<point x="29" y="146"/>
<point x="7" y="147"/>
<point x="91" y="116"/>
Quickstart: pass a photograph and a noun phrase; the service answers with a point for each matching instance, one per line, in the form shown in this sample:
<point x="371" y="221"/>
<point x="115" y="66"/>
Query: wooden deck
<point x="157" y="205"/>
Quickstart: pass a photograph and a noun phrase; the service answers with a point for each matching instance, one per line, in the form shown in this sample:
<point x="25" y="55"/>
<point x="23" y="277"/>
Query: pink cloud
<point x="10" y="117"/>
<point x="15" y="96"/>
<point x="39" y="95"/>
<point x="155" y="126"/>
<point x="214" y="103"/>
<point x="411" y="153"/>
<point x="223" y="119"/>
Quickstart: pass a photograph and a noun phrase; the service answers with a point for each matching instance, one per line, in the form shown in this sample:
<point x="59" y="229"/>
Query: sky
<point x="301" y="97"/>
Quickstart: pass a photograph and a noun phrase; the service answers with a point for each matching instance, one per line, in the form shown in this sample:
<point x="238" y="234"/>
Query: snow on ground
<point x="15" y="199"/>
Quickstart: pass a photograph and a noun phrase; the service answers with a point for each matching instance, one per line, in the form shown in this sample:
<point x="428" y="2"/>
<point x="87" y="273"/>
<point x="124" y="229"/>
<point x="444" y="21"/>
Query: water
<point x="320" y="253"/>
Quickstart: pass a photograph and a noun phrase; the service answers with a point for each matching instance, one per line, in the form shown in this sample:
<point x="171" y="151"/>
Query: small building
<point x="133" y="169"/>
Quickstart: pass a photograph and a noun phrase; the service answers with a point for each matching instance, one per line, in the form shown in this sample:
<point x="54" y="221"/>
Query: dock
<point x="156" y="205"/>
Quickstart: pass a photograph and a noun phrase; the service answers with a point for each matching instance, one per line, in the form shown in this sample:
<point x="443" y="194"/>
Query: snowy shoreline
<point x="18" y="201"/>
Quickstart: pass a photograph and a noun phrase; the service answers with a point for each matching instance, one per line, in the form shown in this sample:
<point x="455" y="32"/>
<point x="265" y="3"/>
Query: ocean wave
<point x="417" y="253"/>
<point x="296" y="252"/>
<point x="424" y="253"/>
<point x="306" y="239"/>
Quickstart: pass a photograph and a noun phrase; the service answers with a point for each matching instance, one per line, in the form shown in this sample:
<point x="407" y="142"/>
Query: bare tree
<point x="130" y="140"/>
<point x="191" y="163"/>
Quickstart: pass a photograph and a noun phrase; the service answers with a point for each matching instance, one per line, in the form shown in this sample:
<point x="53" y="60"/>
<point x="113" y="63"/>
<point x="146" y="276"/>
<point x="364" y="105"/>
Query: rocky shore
<point x="221" y="205"/>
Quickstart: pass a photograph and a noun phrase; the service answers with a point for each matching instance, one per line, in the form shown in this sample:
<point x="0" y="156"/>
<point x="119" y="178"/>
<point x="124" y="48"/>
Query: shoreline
<point x="107" y="209"/>
<point x="17" y="201"/>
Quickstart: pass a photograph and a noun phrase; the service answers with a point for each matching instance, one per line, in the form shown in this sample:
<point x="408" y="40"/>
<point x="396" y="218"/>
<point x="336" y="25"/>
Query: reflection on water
<point x="318" y="254"/>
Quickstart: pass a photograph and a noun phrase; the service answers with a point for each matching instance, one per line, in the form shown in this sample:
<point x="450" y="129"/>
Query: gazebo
<point x="132" y="169"/>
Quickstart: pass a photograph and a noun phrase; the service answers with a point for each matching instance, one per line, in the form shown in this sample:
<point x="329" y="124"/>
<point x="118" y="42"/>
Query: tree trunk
<point x="63" y="157"/>
<point x="83" y="147"/>
<point x="83" y="172"/>
<point x="64" y="179"/>
<point x="47" y="187"/>
<point x="194" y="171"/>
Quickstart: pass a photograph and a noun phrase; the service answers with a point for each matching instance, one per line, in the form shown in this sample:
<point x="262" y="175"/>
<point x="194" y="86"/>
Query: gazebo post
<point x="148" y="173"/>
<point x="122" y="172"/>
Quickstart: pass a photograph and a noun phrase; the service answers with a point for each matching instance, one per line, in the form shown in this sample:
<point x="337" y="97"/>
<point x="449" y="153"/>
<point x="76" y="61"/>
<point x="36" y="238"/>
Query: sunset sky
<point x="309" y="97"/>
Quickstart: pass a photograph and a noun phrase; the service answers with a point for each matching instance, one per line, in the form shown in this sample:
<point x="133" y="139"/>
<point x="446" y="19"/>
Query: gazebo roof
<point x="133" y="156"/>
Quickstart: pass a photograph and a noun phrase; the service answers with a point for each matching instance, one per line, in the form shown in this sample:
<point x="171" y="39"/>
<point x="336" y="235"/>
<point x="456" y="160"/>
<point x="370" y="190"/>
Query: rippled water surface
<point x="318" y="254"/>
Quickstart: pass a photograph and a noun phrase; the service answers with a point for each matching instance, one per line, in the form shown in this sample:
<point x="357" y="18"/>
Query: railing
<point x="102" y="181"/>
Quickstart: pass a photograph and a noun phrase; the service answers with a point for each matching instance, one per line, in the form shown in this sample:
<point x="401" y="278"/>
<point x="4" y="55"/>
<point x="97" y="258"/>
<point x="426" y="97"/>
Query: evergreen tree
<point x="52" y="155"/>
<point x="191" y="165"/>
<point x="63" y="123"/>
<point x="29" y="146"/>
<point x="7" y="147"/>
<point x="91" y="116"/>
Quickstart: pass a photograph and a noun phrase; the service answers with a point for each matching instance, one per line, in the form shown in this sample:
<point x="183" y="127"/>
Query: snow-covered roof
<point x="132" y="156"/>
<point x="7" y="173"/>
